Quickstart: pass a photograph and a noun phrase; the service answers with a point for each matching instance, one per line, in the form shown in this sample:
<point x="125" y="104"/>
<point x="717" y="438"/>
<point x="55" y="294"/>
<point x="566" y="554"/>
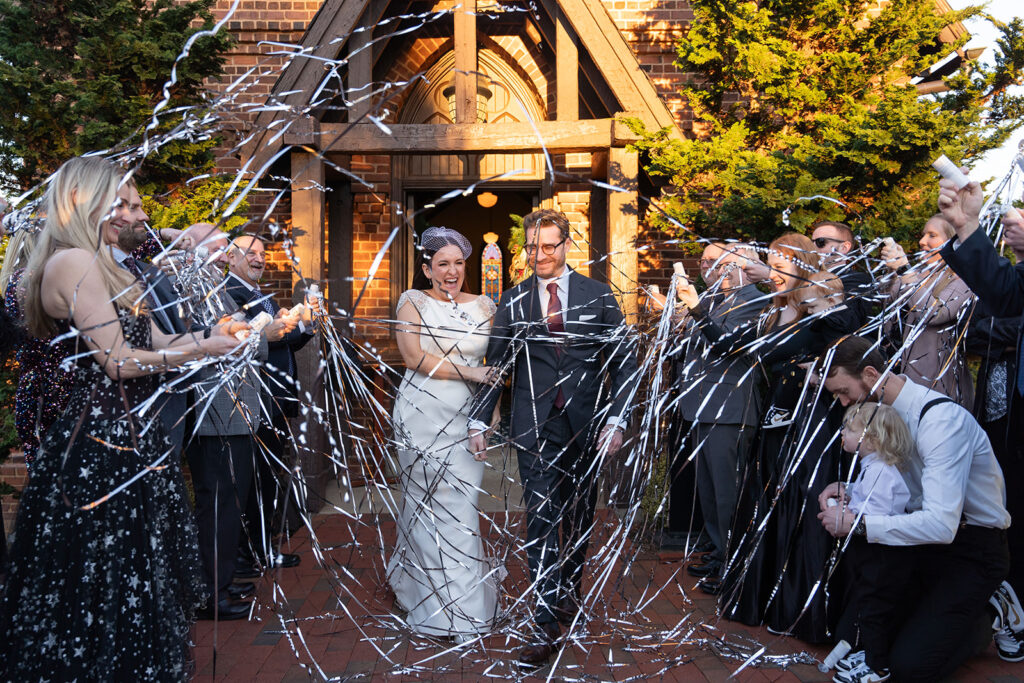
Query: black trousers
<point x="948" y="606"/>
<point x="221" y="475"/>
<point x="882" y="575"/>
<point x="560" y="492"/>
<point x="271" y="511"/>
<point x="684" y="514"/>
<point x="722" y="448"/>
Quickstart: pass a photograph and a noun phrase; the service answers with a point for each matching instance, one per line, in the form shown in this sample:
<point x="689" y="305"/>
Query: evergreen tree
<point x="85" y="75"/>
<point x="795" y="98"/>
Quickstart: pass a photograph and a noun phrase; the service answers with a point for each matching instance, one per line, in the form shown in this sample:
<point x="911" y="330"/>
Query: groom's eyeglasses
<point x="548" y="249"/>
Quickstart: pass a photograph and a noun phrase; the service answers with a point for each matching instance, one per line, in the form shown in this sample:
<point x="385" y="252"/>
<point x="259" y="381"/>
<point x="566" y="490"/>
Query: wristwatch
<point x="861" y="529"/>
<point x="903" y="270"/>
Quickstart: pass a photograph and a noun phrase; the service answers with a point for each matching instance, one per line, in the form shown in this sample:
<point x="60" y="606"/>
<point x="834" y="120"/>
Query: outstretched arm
<point x="73" y="288"/>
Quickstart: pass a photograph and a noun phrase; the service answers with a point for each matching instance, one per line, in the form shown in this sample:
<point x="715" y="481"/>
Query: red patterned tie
<point x="556" y="325"/>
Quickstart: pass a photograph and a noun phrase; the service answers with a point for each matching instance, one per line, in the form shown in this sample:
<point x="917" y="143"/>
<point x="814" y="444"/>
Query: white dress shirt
<point x="879" y="490"/>
<point x="953" y="475"/>
<point x="563" y="291"/>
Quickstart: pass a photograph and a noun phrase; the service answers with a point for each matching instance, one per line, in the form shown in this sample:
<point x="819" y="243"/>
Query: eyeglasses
<point x="820" y="242"/>
<point x="548" y="249"/>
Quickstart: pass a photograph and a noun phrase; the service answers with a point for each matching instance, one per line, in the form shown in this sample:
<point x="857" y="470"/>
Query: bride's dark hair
<point x="432" y="241"/>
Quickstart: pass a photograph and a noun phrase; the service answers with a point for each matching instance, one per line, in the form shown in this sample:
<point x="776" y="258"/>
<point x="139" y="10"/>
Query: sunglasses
<point x="821" y="242"/>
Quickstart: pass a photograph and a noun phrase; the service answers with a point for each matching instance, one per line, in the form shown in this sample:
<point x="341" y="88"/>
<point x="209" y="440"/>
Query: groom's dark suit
<point x="555" y="434"/>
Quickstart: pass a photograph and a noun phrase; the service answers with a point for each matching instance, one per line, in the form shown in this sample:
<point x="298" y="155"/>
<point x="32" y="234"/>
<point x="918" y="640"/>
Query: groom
<point x="563" y="334"/>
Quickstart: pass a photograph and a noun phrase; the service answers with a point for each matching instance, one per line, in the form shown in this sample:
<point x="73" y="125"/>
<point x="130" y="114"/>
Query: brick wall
<point x="13" y="473"/>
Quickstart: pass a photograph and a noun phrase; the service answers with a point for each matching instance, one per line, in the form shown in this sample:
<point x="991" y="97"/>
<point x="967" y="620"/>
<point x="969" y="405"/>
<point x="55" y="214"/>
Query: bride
<point x="438" y="571"/>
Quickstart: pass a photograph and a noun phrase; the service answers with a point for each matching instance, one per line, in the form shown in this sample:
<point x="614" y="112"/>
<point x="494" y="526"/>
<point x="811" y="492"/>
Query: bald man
<point x="719" y="396"/>
<point x="246" y="265"/>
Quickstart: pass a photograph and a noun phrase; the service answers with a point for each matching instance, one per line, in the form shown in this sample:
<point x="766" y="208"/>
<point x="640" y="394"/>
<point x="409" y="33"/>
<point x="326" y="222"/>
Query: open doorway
<point x="469" y="216"/>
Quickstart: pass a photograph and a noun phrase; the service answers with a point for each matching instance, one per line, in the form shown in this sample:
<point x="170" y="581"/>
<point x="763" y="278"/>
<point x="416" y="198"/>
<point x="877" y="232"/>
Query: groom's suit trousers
<point x="560" y="493"/>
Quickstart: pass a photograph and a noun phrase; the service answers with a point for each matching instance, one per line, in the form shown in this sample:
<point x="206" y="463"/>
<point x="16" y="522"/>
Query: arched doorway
<point x="505" y="184"/>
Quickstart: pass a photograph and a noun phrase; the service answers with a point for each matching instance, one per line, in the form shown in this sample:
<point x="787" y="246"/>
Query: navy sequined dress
<point x="104" y="580"/>
<point x="43" y="383"/>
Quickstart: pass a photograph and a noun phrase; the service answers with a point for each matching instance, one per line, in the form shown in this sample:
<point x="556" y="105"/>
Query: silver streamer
<point x="346" y="420"/>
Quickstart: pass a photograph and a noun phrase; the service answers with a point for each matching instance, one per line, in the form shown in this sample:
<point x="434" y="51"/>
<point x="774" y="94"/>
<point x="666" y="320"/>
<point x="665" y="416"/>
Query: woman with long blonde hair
<point x="103" y="570"/>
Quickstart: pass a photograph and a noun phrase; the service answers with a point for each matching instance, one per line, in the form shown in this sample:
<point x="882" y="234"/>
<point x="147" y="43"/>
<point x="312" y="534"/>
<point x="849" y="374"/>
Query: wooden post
<point x="623" y="226"/>
<point x="308" y="235"/>
<point x="567" y="71"/>
<point x="360" y="74"/>
<point x="465" y="62"/>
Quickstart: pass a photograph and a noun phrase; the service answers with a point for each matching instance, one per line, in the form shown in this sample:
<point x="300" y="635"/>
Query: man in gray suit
<point x="720" y="396"/>
<point x="563" y="335"/>
<point x="220" y="455"/>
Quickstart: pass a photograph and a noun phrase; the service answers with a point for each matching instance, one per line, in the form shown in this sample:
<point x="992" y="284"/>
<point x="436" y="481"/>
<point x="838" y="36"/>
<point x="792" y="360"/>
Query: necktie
<point x="556" y="325"/>
<point x="132" y="266"/>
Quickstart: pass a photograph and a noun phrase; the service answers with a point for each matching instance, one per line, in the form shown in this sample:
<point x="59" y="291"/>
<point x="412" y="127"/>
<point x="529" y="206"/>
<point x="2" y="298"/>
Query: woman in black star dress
<point x="103" y="568"/>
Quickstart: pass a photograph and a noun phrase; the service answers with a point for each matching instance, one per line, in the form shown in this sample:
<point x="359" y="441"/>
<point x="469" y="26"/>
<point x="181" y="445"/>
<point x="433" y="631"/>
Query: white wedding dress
<point x="439" y="571"/>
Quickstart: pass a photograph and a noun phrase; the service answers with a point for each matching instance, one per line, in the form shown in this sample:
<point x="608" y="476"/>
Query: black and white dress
<point x="104" y="579"/>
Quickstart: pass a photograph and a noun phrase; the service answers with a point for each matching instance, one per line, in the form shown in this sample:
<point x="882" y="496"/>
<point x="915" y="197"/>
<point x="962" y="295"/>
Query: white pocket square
<point x="585" y="318"/>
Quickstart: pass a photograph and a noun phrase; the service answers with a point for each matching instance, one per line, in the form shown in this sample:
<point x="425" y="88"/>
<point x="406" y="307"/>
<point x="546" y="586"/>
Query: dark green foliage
<point x="199" y="202"/>
<point x="84" y="75"/>
<point x="794" y="98"/>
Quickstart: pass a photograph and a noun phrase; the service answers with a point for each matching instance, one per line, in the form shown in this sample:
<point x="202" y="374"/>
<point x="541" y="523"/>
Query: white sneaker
<point x="850" y="661"/>
<point x="1009" y="641"/>
<point x="861" y="674"/>
<point x="1013" y="611"/>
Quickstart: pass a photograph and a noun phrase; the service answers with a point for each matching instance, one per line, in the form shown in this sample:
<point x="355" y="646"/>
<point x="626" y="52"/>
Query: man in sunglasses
<point x="571" y="354"/>
<point x="839" y="248"/>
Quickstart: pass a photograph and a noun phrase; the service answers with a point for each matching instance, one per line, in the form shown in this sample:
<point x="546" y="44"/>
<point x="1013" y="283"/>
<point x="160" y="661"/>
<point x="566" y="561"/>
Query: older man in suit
<point x="220" y="455"/>
<point x="720" y="396"/>
<point x="564" y="336"/>
<point x="246" y="265"/>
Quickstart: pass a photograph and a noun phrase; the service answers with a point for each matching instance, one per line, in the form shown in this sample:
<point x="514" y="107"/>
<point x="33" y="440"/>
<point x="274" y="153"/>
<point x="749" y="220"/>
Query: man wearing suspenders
<point x="956" y="520"/>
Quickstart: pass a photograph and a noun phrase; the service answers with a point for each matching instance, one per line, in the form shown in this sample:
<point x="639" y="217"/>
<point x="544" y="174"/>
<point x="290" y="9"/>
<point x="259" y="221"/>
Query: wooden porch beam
<point x="623" y="226"/>
<point x="465" y="62"/>
<point x="411" y="138"/>
<point x="567" y="70"/>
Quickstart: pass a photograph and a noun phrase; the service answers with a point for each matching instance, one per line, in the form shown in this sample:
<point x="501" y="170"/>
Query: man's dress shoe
<point x="708" y="568"/>
<point x="540" y="651"/>
<point x="226" y="610"/>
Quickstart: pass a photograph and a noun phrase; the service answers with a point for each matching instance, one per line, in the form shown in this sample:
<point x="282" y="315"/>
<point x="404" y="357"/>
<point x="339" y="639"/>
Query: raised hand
<point x="893" y="255"/>
<point x="961" y="207"/>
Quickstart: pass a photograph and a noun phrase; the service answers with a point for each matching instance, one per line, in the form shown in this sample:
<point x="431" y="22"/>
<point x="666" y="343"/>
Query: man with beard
<point x="954" y="531"/>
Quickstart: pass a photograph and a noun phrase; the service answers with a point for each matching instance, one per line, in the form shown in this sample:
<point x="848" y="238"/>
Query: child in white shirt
<point x="878" y="434"/>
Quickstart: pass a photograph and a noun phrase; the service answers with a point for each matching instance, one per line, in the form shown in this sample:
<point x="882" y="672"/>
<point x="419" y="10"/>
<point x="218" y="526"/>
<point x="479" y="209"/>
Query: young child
<point x="878" y="434"/>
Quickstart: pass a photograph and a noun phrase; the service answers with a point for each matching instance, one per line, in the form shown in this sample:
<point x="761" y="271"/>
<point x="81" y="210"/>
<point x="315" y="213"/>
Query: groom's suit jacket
<point x="595" y="345"/>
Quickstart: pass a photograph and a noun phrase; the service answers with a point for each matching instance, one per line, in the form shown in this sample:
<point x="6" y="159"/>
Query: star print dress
<point x="103" y="579"/>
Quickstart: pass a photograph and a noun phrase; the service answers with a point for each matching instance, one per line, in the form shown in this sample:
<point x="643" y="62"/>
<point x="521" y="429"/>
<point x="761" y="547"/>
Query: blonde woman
<point x="103" y="569"/>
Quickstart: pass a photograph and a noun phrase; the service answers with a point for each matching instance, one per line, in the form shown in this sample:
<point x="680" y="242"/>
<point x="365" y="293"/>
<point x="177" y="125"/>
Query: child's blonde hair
<point x="886" y="430"/>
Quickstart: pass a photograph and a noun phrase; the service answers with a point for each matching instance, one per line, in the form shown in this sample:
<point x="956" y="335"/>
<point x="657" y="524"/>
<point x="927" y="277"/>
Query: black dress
<point x="104" y="579"/>
<point x="778" y="550"/>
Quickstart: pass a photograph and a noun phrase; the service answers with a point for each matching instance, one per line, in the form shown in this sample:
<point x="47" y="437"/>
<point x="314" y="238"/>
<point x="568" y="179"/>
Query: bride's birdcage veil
<point x="434" y="239"/>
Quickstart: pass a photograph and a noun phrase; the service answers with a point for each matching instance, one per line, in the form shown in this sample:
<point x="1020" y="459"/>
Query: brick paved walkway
<point x="342" y="630"/>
